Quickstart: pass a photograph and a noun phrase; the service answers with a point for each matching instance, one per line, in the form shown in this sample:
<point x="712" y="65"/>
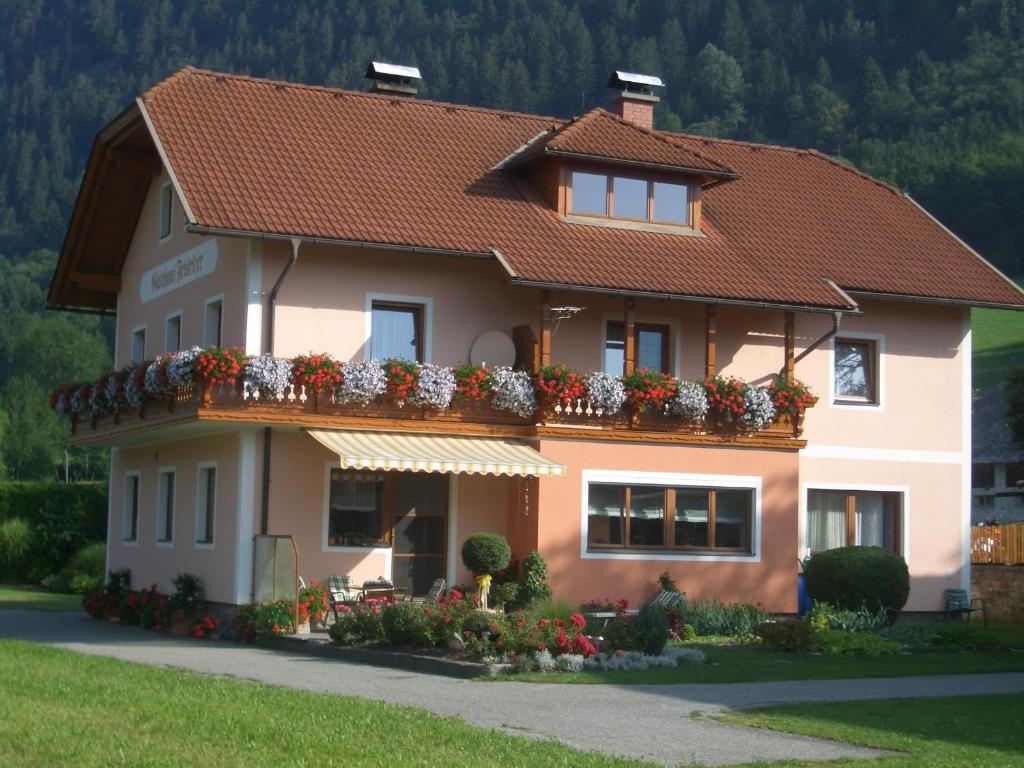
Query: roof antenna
<point x="565" y="312"/>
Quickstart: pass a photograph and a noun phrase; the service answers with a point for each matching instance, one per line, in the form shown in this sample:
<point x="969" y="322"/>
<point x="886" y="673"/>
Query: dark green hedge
<point x="856" y="577"/>
<point x="64" y="517"/>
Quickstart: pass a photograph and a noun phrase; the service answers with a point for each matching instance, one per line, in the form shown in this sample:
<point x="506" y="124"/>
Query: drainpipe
<point x="268" y="346"/>
<point x="836" y="318"/>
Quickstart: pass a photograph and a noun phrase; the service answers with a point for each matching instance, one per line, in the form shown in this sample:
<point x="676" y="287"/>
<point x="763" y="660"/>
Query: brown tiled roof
<point x="276" y="158"/>
<point x="600" y="134"/>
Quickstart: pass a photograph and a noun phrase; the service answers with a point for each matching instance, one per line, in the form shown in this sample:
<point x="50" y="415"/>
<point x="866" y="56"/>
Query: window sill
<point x="165" y="544"/>
<point x="856" y="405"/>
<point x="634" y="225"/>
<point x="203" y="545"/>
<point x="654" y="554"/>
<point x="379" y="547"/>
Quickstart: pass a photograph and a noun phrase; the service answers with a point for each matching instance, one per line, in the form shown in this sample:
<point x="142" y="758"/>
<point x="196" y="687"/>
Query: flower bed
<point x="553" y="390"/>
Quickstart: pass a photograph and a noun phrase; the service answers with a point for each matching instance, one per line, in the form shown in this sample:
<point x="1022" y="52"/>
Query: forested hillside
<point x="928" y="95"/>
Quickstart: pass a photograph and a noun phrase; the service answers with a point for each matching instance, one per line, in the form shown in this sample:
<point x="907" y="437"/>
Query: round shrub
<point x="90" y="560"/>
<point x="859" y="577"/>
<point x="479" y="622"/>
<point x="790" y="635"/>
<point x="406" y="624"/>
<point x="651" y="626"/>
<point x="15" y="544"/>
<point x="486" y="553"/>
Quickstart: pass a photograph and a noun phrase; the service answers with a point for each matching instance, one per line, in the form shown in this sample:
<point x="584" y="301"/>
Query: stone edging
<point x="432" y="665"/>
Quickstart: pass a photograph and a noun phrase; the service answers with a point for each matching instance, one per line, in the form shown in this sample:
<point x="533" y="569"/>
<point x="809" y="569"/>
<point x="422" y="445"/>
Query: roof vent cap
<point x="394" y="79"/>
<point x="635" y="85"/>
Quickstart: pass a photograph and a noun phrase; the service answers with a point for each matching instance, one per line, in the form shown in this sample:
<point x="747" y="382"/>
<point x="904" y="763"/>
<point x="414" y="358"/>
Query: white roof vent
<point x="393" y="78"/>
<point x="635" y="84"/>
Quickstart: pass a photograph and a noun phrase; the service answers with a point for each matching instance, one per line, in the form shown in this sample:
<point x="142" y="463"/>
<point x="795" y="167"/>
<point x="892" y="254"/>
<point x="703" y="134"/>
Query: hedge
<point x="63" y="517"/>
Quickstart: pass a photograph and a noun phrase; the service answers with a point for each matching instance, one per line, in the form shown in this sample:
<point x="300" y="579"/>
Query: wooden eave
<point x="122" y="163"/>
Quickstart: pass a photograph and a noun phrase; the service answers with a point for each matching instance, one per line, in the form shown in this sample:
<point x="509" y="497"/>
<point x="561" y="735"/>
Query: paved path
<point x="650" y="722"/>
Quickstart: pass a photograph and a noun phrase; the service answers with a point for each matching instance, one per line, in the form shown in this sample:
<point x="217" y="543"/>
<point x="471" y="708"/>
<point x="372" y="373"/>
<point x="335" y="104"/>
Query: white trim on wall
<point x="217" y="297"/>
<point x="428" y="320"/>
<point x="178" y="313"/>
<point x="124" y="508"/>
<point x="839" y="486"/>
<point x="675" y="337"/>
<point x="244" y="523"/>
<point x="879" y="340"/>
<point x="325" y="522"/>
<point x="677" y="479"/>
<point x="847" y="453"/>
<point x="200" y="489"/>
<point x="453" y="527"/>
<point x="168" y="543"/>
<point x="253" y="297"/>
<point x="965" y="448"/>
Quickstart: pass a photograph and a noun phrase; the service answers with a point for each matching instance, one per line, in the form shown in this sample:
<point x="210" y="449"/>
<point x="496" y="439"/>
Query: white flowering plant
<point x="155" y="382"/>
<point x="181" y="367"/>
<point x="690" y="401"/>
<point x="760" y="407"/>
<point x="435" y="387"/>
<point x="607" y="393"/>
<point x="361" y="382"/>
<point x="267" y="375"/>
<point x="135" y="387"/>
<point x="513" y="391"/>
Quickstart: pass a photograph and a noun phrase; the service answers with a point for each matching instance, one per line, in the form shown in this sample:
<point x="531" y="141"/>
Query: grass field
<point x="975" y="732"/>
<point x="66" y="709"/>
<point x="36" y="599"/>
<point x="998" y="345"/>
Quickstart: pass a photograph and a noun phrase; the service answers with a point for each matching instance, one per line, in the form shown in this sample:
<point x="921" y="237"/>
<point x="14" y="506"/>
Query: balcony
<point x="197" y="408"/>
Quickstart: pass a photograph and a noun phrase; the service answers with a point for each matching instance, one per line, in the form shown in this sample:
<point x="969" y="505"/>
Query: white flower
<point x="152" y="384"/>
<point x="435" y="386"/>
<point x="513" y="391"/>
<point x="607" y="393"/>
<point x="760" y="407"/>
<point x="361" y="382"/>
<point x="132" y="392"/>
<point x="179" y="369"/>
<point x="569" y="662"/>
<point x="690" y="401"/>
<point x="79" y="405"/>
<point x="268" y="375"/>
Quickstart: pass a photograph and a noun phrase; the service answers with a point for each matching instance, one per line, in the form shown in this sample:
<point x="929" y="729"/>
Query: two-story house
<point x="286" y="219"/>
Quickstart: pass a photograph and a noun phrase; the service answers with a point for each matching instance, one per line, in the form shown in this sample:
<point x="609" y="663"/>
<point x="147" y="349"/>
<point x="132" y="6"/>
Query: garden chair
<point x="434" y="594"/>
<point x="960" y="604"/>
<point x="343" y="592"/>
<point x="668" y="600"/>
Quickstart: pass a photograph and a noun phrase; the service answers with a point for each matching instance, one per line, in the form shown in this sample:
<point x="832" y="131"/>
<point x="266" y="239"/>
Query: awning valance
<point x="436" y="453"/>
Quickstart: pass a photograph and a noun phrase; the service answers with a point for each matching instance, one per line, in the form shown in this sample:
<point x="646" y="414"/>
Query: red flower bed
<point x="792" y="397"/>
<point x="725" y="396"/>
<point x="316" y="373"/>
<point x="648" y="390"/>
<point x="560" y="383"/>
<point x="473" y="383"/>
<point x="402" y="377"/>
<point x="217" y="364"/>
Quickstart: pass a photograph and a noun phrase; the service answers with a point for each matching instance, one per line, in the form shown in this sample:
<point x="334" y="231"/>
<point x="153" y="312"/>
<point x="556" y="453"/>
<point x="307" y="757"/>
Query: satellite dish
<point x="493" y="348"/>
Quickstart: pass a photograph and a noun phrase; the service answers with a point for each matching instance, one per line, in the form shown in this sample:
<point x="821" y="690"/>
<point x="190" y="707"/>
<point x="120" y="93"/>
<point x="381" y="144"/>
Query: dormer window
<point x="630" y="198"/>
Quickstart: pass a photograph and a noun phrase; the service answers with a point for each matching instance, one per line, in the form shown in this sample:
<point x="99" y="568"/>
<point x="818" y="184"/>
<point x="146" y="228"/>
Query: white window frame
<point x="675" y="337"/>
<point x="125" y="520"/>
<point x="841" y="487"/>
<point x="178" y="313"/>
<point x="206" y="308"/>
<point x="677" y="480"/>
<point x="879" y="344"/>
<point x="145" y="342"/>
<point x="201" y="499"/>
<point x="167" y="189"/>
<point x="428" y="320"/>
<point x="162" y="523"/>
<point x="326" y="520"/>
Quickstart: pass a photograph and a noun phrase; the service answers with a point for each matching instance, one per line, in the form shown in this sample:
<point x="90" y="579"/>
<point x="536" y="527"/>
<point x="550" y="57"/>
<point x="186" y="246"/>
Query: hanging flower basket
<point x="216" y="364"/>
<point x="317" y="373"/>
<point x="402" y="378"/>
<point x="791" y="397"/>
<point x="648" y="391"/>
<point x="726" y="400"/>
<point x="560" y="385"/>
<point x="473" y="383"/>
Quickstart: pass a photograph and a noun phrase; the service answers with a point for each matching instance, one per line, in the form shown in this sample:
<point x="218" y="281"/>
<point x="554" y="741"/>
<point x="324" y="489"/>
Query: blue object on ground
<point x="803" y="600"/>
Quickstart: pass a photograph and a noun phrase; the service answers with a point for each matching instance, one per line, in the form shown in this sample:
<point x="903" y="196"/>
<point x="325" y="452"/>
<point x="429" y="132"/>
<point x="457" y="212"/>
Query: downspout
<point x="268" y="346"/>
<point x="836" y="318"/>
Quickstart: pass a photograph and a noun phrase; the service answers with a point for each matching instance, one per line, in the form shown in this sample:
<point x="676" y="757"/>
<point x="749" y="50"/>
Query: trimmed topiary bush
<point x="486" y="553"/>
<point x="651" y="625"/>
<point x="533" y="581"/>
<point x="859" y="577"/>
<point x="407" y="624"/>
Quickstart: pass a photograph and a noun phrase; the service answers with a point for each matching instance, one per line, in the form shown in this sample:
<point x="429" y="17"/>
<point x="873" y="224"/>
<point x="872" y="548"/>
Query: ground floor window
<point x="673" y="518"/>
<point x="356" y="510"/>
<point x="837" y="518"/>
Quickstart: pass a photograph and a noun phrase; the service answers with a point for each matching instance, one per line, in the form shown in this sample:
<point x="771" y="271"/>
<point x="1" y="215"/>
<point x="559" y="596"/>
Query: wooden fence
<point x="999" y="544"/>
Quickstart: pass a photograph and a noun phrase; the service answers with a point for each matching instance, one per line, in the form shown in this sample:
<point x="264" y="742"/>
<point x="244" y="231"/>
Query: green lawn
<point x="742" y="664"/>
<point x="998" y="345"/>
<point x="36" y="599"/>
<point x="66" y="709"/>
<point x="979" y="731"/>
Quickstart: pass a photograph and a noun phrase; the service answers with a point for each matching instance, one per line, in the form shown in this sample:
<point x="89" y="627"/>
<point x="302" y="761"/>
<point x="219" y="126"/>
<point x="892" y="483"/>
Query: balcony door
<point x="420" y="532"/>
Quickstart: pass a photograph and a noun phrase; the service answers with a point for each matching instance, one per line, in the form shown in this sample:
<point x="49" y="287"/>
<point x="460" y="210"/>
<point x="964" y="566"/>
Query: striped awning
<point x="435" y="453"/>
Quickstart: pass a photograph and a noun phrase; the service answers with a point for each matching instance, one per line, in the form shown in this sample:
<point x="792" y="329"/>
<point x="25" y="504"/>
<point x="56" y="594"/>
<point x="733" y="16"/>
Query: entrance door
<point x="419" y="540"/>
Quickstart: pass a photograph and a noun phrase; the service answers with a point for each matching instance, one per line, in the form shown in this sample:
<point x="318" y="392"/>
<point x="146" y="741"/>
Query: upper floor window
<point x="852" y="518"/>
<point x="629" y="197"/>
<point x="212" y="322"/>
<point x="396" y="330"/>
<point x="651" y="347"/>
<point x="139" y="345"/>
<point x="855" y="371"/>
<point x="166" y="199"/>
<point x="130" y="519"/>
<point x="172" y="333"/>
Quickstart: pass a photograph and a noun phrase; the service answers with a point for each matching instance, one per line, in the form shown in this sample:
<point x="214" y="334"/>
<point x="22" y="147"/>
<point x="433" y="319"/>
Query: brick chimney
<point x="393" y="79"/>
<point x="636" y="97"/>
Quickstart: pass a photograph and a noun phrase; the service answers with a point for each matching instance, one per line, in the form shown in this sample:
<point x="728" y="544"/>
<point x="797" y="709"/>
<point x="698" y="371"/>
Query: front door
<point x="420" y="534"/>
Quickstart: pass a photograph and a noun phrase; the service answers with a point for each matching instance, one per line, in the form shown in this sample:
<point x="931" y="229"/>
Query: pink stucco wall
<point x="148" y="251"/>
<point x="158" y="563"/>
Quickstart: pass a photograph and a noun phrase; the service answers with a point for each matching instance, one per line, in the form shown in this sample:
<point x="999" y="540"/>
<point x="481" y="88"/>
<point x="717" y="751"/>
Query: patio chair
<point x="434" y="594"/>
<point x="667" y="599"/>
<point x="343" y="592"/>
<point x="960" y="604"/>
